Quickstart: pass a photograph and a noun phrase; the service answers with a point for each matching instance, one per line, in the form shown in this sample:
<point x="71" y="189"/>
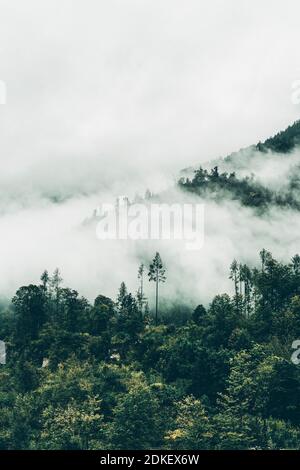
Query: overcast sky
<point x="121" y="94"/>
<point x="161" y="83"/>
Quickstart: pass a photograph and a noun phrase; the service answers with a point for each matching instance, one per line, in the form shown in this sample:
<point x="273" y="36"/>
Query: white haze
<point x="273" y="170"/>
<point x="111" y="97"/>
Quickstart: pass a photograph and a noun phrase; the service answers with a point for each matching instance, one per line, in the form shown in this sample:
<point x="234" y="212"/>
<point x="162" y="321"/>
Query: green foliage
<point x="193" y="429"/>
<point x="76" y="426"/>
<point x="284" y="141"/>
<point x="135" y="423"/>
<point x="103" y="376"/>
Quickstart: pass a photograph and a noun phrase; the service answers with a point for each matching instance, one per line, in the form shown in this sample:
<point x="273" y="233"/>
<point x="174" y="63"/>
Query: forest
<point x="114" y="374"/>
<point x="283" y="142"/>
<point x="219" y="185"/>
<point x="246" y="190"/>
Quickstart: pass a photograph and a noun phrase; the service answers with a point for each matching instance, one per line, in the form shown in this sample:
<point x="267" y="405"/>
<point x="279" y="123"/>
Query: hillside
<point x="239" y="175"/>
<point x="113" y="373"/>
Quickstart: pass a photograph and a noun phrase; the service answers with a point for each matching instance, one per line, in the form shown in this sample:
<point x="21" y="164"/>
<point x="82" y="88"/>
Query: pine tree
<point x="157" y="274"/>
<point x="55" y="283"/>
<point x="234" y="274"/>
<point x="296" y="264"/>
<point x="264" y="256"/>
<point x="121" y="296"/>
<point x="45" y="280"/>
<point x="141" y="299"/>
<point x="246" y="279"/>
<point x="56" y="280"/>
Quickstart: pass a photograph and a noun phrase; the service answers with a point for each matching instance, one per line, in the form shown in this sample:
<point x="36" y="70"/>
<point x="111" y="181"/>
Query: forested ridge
<point x="109" y="375"/>
<point x="216" y="184"/>
<point x="284" y="141"/>
<point x="246" y="190"/>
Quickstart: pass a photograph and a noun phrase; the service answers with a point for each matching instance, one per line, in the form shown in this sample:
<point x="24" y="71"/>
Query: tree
<point x="234" y="276"/>
<point x="101" y="315"/>
<point x="212" y="379"/>
<point x="76" y="426"/>
<point x="128" y="326"/>
<point x="140" y="294"/>
<point x="296" y="264"/>
<point x="235" y="433"/>
<point x="246" y="278"/>
<point x="29" y="307"/>
<point x="192" y="427"/>
<point x="121" y="296"/>
<point x="223" y="320"/>
<point x="157" y="274"/>
<point x="55" y="283"/>
<point x="56" y="280"/>
<point x="199" y="314"/>
<point x="264" y="256"/>
<point x="72" y="310"/>
<point x="136" y="419"/>
<point x="45" y="280"/>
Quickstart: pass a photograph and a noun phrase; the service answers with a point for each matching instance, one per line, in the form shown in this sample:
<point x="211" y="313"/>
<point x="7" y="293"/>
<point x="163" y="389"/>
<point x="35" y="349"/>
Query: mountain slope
<point x="259" y="176"/>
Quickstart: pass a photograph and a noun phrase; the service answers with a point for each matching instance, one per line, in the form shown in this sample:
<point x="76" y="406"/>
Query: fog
<point x="111" y="98"/>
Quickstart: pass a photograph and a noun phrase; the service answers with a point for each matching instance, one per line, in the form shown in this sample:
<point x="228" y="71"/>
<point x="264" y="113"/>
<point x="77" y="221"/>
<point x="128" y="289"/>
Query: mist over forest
<point x="250" y="199"/>
<point x="99" y="106"/>
<point x="143" y="344"/>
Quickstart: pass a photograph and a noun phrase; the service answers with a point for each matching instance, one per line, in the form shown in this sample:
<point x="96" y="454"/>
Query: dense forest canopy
<point x="114" y="374"/>
<point x="284" y="141"/>
<point x="105" y="375"/>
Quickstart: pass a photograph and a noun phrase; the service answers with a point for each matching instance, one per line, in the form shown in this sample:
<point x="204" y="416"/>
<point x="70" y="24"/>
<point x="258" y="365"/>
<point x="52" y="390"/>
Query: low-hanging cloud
<point x="110" y="98"/>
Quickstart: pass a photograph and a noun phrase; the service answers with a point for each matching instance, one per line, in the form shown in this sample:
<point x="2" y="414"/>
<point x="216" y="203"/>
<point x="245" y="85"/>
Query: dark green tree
<point x="121" y="295"/>
<point x="157" y="274"/>
<point x="140" y="293"/>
